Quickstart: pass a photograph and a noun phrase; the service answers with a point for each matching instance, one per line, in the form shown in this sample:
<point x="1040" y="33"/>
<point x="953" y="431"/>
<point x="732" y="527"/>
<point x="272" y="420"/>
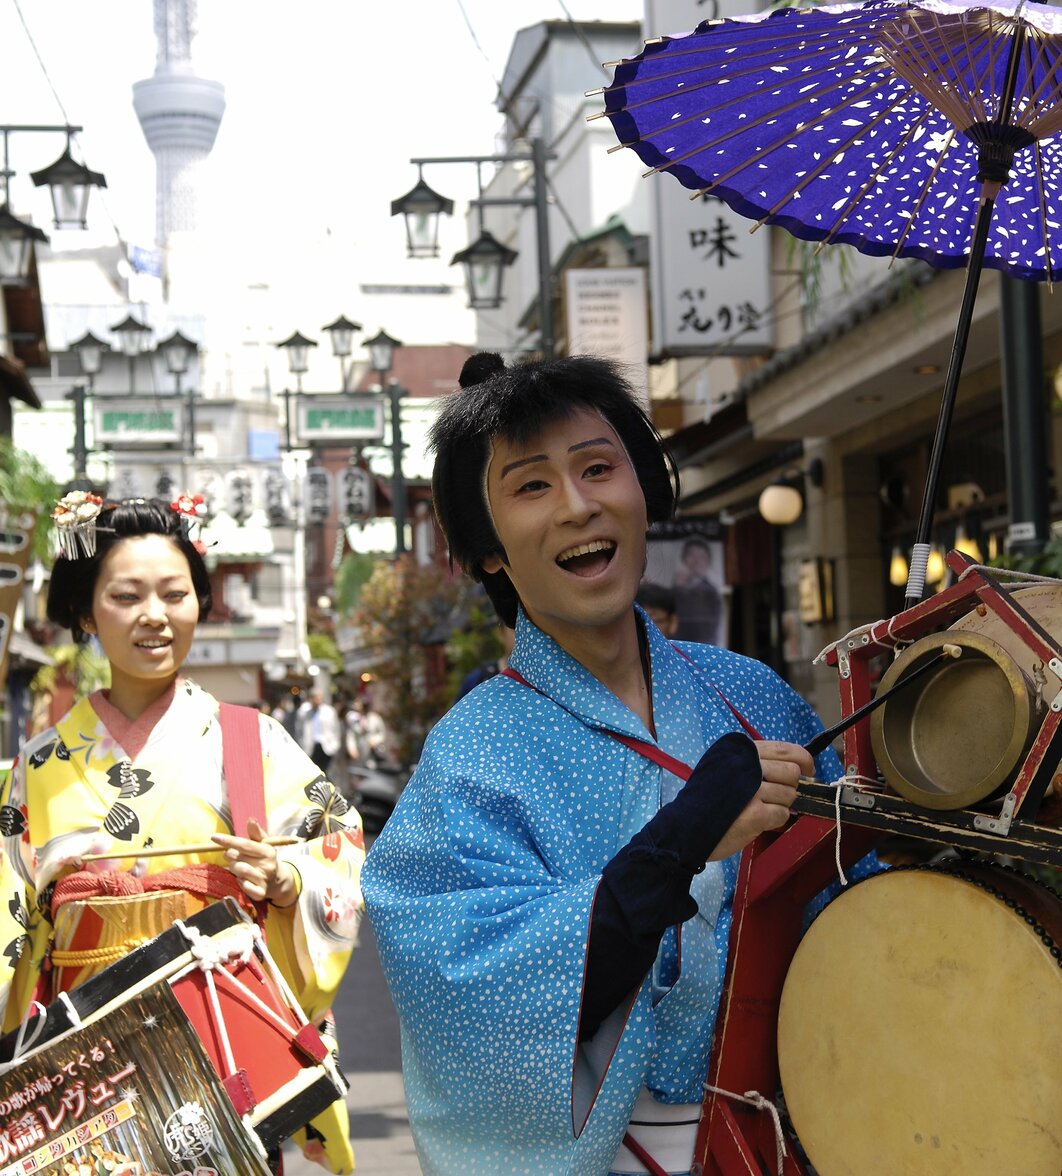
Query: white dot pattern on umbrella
<point x="800" y="118"/>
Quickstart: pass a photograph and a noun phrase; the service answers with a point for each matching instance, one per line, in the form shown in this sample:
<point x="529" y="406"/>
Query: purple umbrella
<point x="911" y="130"/>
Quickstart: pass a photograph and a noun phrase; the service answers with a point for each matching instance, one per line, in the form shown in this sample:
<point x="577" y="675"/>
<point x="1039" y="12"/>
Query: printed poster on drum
<point x="131" y="1094"/>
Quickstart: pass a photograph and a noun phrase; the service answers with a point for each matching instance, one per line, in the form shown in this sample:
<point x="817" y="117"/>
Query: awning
<point x="15" y="384"/>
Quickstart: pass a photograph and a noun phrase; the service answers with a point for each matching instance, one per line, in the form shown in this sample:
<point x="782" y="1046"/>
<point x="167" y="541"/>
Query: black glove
<point x="645" y="888"/>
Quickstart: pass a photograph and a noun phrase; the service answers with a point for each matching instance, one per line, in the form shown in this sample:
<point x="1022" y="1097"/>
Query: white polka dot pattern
<point x="481" y="885"/>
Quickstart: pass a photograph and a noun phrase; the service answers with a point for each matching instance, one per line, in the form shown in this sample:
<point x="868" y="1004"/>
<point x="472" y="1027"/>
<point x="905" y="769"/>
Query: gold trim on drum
<point x="920" y="1028"/>
<point x="957" y="736"/>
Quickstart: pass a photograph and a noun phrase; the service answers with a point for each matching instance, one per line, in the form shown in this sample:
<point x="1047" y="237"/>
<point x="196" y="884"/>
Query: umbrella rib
<point x="778" y="50"/>
<point x="735" y="76"/>
<point x="885" y="163"/>
<point x="764" y="121"/>
<point x="1043" y="217"/>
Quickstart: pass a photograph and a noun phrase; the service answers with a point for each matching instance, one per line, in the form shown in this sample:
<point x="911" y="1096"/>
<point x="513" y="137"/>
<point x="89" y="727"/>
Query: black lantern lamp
<point x="70" y="183"/>
<point x="298" y="352"/>
<point x="133" y="336"/>
<point x="422" y="206"/>
<point x="177" y="351"/>
<point x="382" y="352"/>
<point x="341" y="333"/>
<point x="89" y="351"/>
<point x="485" y="261"/>
<point x="16" y="247"/>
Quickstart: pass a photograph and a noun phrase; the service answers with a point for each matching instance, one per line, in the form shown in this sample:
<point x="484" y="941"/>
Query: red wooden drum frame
<point x="781" y="873"/>
<point x="273" y="1064"/>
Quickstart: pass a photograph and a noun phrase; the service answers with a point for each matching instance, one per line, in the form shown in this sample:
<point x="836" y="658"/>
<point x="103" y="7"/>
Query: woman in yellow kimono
<point x="140" y="765"/>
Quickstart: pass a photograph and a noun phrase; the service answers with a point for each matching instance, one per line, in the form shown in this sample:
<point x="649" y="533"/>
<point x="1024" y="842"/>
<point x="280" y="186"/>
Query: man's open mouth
<point x="587" y="559"/>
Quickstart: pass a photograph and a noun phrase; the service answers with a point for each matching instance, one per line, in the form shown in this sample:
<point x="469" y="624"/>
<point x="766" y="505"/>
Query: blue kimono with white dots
<point x="480" y="890"/>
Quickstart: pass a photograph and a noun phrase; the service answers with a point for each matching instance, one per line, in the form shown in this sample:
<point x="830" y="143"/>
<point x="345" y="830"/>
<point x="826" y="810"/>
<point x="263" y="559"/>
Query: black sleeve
<point x="645" y="888"/>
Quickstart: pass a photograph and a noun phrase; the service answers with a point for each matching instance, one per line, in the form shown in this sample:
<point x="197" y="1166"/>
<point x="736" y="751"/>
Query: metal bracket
<point x="844" y="670"/>
<point x="856" y="797"/>
<point x="1002" y="823"/>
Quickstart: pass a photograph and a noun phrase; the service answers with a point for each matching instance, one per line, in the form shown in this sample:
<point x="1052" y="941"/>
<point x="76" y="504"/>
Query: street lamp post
<point x="177" y="351"/>
<point x="486" y="251"/>
<point x="381" y="351"/>
<point x="133" y="339"/>
<point x="89" y="351"/>
<point x="297" y="349"/>
<point x="342" y="335"/>
<point x="70" y="183"/>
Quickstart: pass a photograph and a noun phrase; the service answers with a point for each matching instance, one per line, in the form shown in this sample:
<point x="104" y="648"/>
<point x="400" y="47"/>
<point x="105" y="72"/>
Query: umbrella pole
<point x="916" y="580"/>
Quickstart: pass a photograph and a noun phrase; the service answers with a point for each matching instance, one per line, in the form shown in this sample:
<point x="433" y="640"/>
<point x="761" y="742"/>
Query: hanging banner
<point x="684" y="577"/>
<point x="132" y="1094"/>
<point x="711" y="281"/>
<point x="16" y="536"/>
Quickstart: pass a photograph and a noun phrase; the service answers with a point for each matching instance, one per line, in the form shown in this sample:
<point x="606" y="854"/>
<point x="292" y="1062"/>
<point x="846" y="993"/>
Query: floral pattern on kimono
<point x="74" y="791"/>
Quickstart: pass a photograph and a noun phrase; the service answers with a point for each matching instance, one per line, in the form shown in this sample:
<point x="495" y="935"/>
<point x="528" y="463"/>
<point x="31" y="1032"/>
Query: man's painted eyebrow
<point x="536" y="457"/>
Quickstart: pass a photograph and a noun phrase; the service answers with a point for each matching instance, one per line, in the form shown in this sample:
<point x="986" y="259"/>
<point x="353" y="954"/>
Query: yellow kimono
<point x="74" y="791"/>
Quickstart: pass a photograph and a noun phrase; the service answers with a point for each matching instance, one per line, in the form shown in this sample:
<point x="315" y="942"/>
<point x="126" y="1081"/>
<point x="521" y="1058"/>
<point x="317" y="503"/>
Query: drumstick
<point x="171" y="850"/>
<point x="822" y="741"/>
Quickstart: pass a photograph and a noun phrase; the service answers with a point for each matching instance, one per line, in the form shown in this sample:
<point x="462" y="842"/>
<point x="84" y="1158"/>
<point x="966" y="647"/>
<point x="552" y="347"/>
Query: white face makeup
<point x="571" y="516"/>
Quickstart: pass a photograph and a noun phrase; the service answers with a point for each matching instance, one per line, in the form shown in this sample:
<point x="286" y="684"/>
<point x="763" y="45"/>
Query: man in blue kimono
<point x="552" y="896"/>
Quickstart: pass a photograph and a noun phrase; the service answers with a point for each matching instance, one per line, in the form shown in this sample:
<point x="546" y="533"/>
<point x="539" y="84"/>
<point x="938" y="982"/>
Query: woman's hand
<point x="254" y="864"/>
<point x="782" y="765"/>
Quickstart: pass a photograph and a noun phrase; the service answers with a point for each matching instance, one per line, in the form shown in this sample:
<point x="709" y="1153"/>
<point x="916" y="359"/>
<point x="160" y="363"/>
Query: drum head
<point x="920" y="1030"/>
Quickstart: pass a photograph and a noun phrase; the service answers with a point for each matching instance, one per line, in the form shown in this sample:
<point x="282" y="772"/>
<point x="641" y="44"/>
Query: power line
<point x="62" y="108"/>
<point x="40" y="62"/>
<point x="577" y="29"/>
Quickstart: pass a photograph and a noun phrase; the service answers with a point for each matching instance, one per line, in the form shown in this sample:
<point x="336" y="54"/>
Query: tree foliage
<point x="476" y="642"/>
<point x="84" y="665"/>
<point x="405" y="616"/>
<point x="324" y="651"/>
<point x="351" y="576"/>
<point x="26" y="483"/>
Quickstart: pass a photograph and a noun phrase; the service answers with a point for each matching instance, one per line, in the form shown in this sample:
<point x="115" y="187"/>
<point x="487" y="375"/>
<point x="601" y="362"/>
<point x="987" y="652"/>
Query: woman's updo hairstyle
<point x="73" y="581"/>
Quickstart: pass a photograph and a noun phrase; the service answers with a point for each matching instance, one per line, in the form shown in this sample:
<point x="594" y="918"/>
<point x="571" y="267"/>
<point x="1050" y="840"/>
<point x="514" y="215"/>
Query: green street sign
<point x="340" y="419"/>
<point x="137" y="422"/>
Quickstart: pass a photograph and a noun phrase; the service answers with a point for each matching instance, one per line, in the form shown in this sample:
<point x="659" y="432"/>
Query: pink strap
<point x="241" y="758"/>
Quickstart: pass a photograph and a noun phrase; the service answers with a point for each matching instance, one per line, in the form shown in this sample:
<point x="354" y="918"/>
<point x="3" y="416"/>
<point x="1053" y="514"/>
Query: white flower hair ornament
<point x="74" y="518"/>
<point x="193" y="511"/>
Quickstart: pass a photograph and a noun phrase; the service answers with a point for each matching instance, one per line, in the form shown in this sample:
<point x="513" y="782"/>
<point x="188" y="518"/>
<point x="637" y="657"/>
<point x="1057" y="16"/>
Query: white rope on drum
<point x="754" y="1099"/>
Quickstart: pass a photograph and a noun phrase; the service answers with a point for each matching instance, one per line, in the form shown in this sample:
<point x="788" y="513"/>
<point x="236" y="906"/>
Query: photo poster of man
<point x="132" y="1093"/>
<point x="686" y="559"/>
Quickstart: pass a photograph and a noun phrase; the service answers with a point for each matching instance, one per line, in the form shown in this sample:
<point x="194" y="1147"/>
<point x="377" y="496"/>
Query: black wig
<point x="73" y="581"/>
<point x="517" y="403"/>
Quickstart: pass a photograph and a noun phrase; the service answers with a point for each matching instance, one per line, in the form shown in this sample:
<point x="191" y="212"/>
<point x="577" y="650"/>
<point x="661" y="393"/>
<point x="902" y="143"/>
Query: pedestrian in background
<point x="318" y="727"/>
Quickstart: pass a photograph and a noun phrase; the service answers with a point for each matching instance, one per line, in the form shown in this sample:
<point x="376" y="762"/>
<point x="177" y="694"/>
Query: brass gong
<point x="958" y="735"/>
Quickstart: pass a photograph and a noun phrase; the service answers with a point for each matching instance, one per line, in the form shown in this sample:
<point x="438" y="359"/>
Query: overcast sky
<point x="327" y="100"/>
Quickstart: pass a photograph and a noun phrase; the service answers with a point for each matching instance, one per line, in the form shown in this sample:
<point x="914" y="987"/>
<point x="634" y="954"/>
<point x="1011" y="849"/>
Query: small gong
<point x="957" y="735"/>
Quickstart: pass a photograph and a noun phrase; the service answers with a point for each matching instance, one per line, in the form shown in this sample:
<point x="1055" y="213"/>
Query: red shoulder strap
<point x="241" y="758"/>
<point x="649" y="750"/>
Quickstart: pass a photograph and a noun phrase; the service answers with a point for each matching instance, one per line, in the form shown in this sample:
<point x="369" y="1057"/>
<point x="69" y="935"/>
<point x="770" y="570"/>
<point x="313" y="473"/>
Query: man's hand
<point x="782" y="765"/>
<point x="255" y="865"/>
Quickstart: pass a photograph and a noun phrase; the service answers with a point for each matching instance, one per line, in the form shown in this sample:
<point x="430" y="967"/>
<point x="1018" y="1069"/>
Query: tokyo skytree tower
<point x="179" y="114"/>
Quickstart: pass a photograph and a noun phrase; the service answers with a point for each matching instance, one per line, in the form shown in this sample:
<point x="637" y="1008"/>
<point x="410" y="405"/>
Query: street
<point x="369" y="1052"/>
